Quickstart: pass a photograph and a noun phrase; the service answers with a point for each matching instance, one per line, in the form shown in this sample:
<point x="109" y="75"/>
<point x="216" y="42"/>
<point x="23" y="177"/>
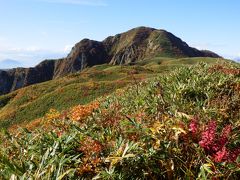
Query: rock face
<point x="132" y="46"/>
<point x="141" y="43"/>
<point x="84" y="54"/>
<point x="13" y="79"/>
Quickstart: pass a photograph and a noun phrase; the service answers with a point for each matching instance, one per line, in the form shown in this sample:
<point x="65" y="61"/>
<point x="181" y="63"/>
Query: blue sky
<point x="33" y="30"/>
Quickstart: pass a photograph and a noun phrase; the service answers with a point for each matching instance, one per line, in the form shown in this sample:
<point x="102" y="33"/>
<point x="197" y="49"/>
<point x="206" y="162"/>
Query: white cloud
<point x="237" y="58"/>
<point x="234" y="56"/>
<point x="78" y="2"/>
<point x="27" y="49"/>
<point x="30" y="56"/>
<point x="206" y="46"/>
<point x="67" y="48"/>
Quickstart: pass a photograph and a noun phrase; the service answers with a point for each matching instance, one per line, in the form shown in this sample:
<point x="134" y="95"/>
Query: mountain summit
<point x="132" y="46"/>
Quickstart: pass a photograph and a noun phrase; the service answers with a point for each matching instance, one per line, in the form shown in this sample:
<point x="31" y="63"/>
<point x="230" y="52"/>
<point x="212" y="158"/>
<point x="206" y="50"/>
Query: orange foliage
<point x="90" y="147"/>
<point x="33" y="124"/>
<point x="13" y="129"/>
<point x="51" y="119"/>
<point x="52" y="115"/>
<point x="91" y="160"/>
<point x="220" y="68"/>
<point x="28" y="125"/>
<point x="90" y="165"/>
<point x="78" y="113"/>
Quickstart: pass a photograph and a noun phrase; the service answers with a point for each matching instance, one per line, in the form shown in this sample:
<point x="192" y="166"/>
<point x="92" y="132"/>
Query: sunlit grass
<point x="34" y="101"/>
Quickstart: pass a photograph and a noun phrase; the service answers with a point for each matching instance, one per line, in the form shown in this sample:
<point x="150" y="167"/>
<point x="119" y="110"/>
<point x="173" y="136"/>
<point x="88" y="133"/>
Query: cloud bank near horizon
<point x="77" y="2"/>
<point x="28" y="57"/>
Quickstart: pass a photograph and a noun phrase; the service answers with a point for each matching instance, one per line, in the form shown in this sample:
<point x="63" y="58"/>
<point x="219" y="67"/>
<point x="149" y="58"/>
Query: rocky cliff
<point x="132" y="46"/>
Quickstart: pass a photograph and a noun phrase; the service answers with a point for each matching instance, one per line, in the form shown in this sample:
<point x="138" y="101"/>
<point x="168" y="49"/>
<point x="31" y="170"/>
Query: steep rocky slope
<point x="132" y="46"/>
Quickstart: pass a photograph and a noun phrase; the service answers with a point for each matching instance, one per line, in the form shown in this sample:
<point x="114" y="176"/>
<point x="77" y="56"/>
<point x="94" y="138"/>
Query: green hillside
<point x="34" y="101"/>
<point x="183" y="124"/>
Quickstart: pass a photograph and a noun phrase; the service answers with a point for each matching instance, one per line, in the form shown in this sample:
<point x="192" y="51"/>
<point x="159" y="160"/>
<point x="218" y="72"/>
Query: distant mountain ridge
<point x="7" y="63"/>
<point x="237" y="59"/>
<point x="132" y="46"/>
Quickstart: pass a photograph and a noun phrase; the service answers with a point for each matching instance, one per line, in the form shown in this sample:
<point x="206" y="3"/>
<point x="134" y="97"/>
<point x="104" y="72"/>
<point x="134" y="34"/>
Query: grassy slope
<point x="34" y="101"/>
<point x="150" y="130"/>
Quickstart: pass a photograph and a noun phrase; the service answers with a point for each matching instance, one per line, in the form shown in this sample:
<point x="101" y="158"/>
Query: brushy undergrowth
<point x="182" y="125"/>
<point x="32" y="102"/>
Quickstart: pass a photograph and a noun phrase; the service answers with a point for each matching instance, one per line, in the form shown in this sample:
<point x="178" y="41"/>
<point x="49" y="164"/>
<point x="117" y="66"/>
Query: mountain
<point x="237" y="59"/>
<point x="132" y="46"/>
<point x="9" y="63"/>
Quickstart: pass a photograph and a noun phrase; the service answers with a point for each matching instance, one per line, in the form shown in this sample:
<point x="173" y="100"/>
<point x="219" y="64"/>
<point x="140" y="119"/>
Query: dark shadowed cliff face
<point x="5" y="82"/>
<point x="20" y="77"/>
<point x="131" y="46"/>
<point x="84" y="54"/>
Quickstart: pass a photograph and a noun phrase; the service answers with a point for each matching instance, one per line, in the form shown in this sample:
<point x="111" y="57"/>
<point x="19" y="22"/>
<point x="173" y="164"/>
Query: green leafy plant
<point x="176" y="126"/>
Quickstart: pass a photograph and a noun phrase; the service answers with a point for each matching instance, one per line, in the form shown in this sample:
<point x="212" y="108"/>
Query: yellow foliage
<point x="168" y="127"/>
<point x="53" y="114"/>
<point x="155" y="131"/>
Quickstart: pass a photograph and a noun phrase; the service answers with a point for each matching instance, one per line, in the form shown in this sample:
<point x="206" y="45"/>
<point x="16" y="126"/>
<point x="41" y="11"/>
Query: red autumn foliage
<point x="214" y="144"/>
<point x="193" y="126"/>
<point x="222" y="69"/>
<point x="91" y="150"/>
<point x="207" y="141"/>
<point x="90" y="147"/>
